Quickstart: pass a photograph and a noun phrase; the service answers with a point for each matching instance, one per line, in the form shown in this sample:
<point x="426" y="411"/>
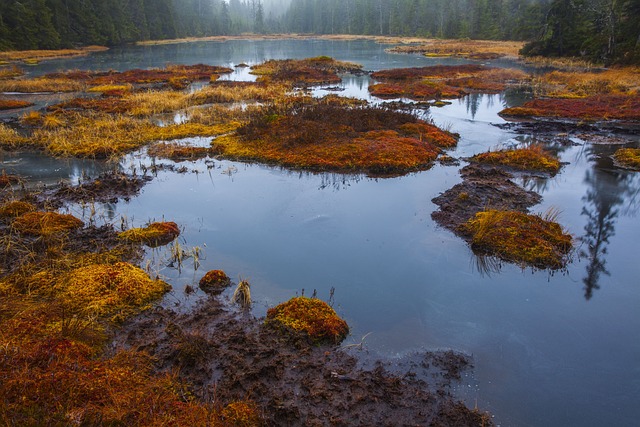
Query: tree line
<point x="602" y="30"/>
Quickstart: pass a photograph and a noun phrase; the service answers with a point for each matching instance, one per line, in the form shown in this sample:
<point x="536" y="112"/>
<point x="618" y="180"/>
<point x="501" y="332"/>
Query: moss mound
<point x="46" y="223"/>
<point x="519" y="237"/>
<point x="109" y="290"/>
<point x="154" y="235"/>
<point x="214" y="281"/>
<point x="628" y="158"/>
<point x="310" y="316"/>
<point x="15" y="208"/>
<point x="532" y="158"/>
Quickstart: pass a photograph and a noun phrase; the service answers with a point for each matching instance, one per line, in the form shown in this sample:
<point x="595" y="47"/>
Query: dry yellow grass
<point x="40" y="85"/>
<point x="480" y="49"/>
<point x="10" y="138"/>
<point x="39" y="55"/>
<point x="567" y="84"/>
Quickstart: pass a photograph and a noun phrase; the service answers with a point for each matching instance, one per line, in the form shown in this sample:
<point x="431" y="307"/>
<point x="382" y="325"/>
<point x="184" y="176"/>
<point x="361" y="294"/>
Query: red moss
<point x="310" y="316"/>
<point x="46" y="223"/>
<point x="154" y="235"/>
<point x="215" y="281"/>
<point x="602" y="107"/>
<point x="10" y="104"/>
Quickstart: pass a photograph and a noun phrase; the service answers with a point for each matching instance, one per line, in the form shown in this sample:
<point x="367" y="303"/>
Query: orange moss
<point x="331" y="137"/>
<point x="628" y="157"/>
<point x="532" y="158"/>
<point x="310" y="316"/>
<point x="604" y="107"/>
<point x="310" y="71"/>
<point x="518" y="237"/>
<point x="214" y="281"/>
<point x="154" y="235"/>
<point x="46" y="223"/>
<point x="10" y="104"/>
<point x="15" y="208"/>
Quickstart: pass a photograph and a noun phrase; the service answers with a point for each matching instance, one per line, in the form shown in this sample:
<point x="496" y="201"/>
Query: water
<point x="549" y="349"/>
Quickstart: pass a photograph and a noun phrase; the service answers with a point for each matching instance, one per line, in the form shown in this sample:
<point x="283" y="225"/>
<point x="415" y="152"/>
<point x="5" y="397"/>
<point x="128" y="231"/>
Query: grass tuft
<point x="154" y="235"/>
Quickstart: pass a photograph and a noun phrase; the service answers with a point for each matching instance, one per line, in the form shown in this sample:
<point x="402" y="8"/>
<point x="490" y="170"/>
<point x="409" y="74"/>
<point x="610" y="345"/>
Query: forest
<point x="606" y="31"/>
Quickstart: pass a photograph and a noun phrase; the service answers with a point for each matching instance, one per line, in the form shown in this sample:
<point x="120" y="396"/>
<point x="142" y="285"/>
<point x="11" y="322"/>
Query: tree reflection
<point x="608" y="189"/>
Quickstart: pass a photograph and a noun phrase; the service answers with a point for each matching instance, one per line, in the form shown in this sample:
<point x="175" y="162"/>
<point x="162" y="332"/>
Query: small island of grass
<point x="532" y="158"/>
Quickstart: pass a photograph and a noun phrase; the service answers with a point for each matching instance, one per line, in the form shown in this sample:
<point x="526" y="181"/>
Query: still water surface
<point x="549" y="349"/>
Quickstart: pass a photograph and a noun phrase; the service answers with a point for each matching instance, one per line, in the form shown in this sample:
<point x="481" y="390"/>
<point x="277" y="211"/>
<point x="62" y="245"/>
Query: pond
<point x="549" y="349"/>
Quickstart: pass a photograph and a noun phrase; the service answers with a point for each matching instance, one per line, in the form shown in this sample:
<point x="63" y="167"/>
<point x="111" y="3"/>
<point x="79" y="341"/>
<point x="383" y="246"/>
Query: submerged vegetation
<point x="532" y="158"/>
<point x="519" y="237"/>
<point x="310" y="316"/>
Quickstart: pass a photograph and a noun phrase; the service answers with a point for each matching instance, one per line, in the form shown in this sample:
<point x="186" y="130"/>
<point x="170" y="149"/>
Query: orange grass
<point x="565" y="84"/>
<point x="593" y="108"/>
<point x="22" y="55"/>
<point x="154" y="235"/>
<point x="10" y="138"/>
<point x="187" y="73"/>
<point x="41" y="84"/>
<point x="521" y="238"/>
<point x="332" y="137"/>
<point x="15" y="208"/>
<point x="10" y="104"/>
<point x="214" y="281"/>
<point x="532" y="158"/>
<point x="310" y="316"/>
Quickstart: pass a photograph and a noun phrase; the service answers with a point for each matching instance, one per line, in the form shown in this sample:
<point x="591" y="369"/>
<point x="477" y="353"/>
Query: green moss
<point x="518" y="237"/>
<point x="310" y="316"/>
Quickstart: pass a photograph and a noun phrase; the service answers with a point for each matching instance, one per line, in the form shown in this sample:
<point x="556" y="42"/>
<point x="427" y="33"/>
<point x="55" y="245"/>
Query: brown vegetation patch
<point x="10" y="72"/>
<point x="519" y="237"/>
<point x="108" y="187"/>
<point x="309" y="316"/>
<point x="154" y="235"/>
<point x="11" y="104"/>
<point x="628" y="158"/>
<point x="8" y="179"/>
<point x="580" y="84"/>
<point x="532" y="158"/>
<point x="465" y="48"/>
<point x="46" y="223"/>
<point x="593" y="108"/>
<point x="443" y="81"/>
<point x="178" y="76"/>
<point x="39" y="55"/>
<point x="178" y="152"/>
<point x="41" y="84"/>
<point x="303" y="72"/>
<point x="331" y="137"/>
<point x="214" y="281"/>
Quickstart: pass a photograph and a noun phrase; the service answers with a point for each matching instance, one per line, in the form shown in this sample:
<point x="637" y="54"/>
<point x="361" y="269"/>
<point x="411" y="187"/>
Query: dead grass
<point x="41" y="85"/>
<point x="10" y="138"/>
<point x="46" y="223"/>
<point x="10" y="72"/>
<point x="40" y="55"/>
<point x="303" y="72"/>
<point x="11" y="104"/>
<point x="465" y="48"/>
<point x="566" y="84"/>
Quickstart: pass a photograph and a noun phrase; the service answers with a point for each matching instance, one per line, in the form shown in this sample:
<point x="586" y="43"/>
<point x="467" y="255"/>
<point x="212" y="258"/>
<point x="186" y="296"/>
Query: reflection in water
<point x="607" y="189"/>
